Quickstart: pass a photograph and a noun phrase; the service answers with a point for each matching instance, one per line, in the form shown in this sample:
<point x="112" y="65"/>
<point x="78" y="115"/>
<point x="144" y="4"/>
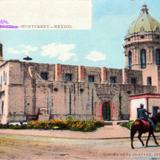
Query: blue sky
<point x="102" y="45"/>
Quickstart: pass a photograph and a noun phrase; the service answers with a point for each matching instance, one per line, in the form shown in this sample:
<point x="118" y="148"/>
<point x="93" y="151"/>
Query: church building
<point x="30" y="90"/>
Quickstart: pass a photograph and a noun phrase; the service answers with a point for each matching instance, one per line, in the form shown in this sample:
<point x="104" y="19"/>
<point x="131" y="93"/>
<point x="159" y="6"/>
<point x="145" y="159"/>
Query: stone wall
<point x="129" y="74"/>
<point x="64" y="99"/>
<point x="28" y="92"/>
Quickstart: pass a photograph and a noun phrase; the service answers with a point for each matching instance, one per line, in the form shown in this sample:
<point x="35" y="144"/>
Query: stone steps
<point x="115" y="122"/>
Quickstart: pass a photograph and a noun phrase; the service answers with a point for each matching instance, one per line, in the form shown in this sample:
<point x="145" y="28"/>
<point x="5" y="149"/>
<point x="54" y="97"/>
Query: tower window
<point x="142" y="36"/>
<point x="133" y="80"/>
<point x="91" y="78"/>
<point x="158" y="56"/>
<point x="68" y="77"/>
<point x="149" y="81"/>
<point x="143" y="58"/>
<point x="113" y="79"/>
<point x="44" y="75"/>
<point x="130" y="60"/>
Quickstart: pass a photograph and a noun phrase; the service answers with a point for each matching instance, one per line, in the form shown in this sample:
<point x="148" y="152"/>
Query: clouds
<point x="13" y="51"/>
<point x="96" y="56"/>
<point x="65" y="52"/>
<point x="59" y="52"/>
<point x="28" y="49"/>
<point x="62" y="52"/>
<point x="22" y="49"/>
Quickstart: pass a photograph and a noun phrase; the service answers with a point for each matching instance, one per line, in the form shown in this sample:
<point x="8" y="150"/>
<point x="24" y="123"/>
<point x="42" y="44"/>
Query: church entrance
<point x="106" y="111"/>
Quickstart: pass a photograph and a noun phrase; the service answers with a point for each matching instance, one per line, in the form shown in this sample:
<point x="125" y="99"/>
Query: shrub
<point x="90" y="126"/>
<point x="69" y="123"/>
<point x="127" y="124"/>
<point x="99" y="124"/>
<point x="83" y="125"/>
<point x="57" y="124"/>
<point x="157" y="128"/>
<point x="33" y="125"/>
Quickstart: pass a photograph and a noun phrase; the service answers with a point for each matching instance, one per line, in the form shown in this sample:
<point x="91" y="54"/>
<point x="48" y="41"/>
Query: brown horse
<point x="142" y="127"/>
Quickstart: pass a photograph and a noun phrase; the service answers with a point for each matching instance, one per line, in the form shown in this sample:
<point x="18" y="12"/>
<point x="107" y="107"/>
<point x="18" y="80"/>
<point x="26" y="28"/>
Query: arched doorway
<point x="106" y="111"/>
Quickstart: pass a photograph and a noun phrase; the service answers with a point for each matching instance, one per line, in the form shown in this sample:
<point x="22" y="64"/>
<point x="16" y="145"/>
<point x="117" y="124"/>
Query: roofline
<point x="145" y="95"/>
<point x="29" y="62"/>
<point x="5" y="62"/>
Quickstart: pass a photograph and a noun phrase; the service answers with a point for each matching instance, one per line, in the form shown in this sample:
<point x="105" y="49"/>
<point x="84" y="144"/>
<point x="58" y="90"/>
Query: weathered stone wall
<point x="4" y="81"/>
<point x="61" y="70"/>
<point x="16" y="99"/>
<point x="16" y="73"/>
<point x="28" y="92"/>
<point x="114" y="73"/>
<point x="129" y="74"/>
<point x="118" y="95"/>
<point x="48" y="68"/>
<point x="62" y="99"/>
<point x="41" y="96"/>
<point x="94" y="71"/>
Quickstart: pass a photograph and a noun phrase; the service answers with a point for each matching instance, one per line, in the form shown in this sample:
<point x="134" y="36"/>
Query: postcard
<point x="79" y="79"/>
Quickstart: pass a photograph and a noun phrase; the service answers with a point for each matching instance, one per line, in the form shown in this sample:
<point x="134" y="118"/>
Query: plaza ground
<point x="101" y="145"/>
<point x="44" y="148"/>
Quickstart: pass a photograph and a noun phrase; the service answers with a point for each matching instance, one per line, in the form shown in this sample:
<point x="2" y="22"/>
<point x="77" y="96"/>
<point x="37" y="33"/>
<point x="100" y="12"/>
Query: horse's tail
<point x="134" y="128"/>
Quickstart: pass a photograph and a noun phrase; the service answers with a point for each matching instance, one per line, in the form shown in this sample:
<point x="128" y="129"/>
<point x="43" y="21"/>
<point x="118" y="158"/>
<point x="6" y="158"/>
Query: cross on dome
<point x="144" y="9"/>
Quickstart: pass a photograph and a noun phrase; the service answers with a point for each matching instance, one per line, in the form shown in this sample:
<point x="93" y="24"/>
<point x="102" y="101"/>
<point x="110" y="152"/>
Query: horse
<point x="143" y="126"/>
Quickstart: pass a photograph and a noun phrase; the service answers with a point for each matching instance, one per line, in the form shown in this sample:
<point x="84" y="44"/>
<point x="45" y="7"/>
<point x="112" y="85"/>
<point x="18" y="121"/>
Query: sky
<point x="102" y="45"/>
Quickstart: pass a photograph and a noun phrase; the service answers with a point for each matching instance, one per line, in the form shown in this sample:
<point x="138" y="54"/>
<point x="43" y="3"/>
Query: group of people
<point x="144" y="115"/>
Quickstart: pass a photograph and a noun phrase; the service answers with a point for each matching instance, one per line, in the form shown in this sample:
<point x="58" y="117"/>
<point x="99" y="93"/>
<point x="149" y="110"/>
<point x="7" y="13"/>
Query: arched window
<point x="158" y="56"/>
<point x="143" y="58"/>
<point x="129" y="59"/>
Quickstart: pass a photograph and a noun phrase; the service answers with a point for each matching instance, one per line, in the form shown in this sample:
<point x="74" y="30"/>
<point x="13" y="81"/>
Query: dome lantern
<point x="144" y="9"/>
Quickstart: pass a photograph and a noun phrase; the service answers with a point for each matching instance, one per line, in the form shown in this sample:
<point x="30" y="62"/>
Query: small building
<point x="151" y="102"/>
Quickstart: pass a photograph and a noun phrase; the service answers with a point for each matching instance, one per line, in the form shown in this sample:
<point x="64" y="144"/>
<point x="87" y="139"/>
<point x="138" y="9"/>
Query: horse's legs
<point x="132" y="132"/>
<point x="139" y="137"/>
<point x="149" y="135"/>
<point x="154" y="138"/>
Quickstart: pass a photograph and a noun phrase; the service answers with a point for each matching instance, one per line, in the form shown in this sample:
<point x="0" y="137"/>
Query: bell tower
<point x="142" y="47"/>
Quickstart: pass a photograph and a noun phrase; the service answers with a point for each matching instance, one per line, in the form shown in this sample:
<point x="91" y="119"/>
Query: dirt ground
<point x="20" y="147"/>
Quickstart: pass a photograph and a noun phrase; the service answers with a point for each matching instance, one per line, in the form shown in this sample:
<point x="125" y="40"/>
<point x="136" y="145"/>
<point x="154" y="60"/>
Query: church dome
<point x="144" y="23"/>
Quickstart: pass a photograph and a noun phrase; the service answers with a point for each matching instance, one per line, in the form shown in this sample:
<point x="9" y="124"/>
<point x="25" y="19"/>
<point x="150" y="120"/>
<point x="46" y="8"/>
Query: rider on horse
<point x="144" y="115"/>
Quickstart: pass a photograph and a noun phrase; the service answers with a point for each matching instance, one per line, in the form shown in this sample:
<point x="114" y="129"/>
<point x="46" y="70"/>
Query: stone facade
<point x="85" y="92"/>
